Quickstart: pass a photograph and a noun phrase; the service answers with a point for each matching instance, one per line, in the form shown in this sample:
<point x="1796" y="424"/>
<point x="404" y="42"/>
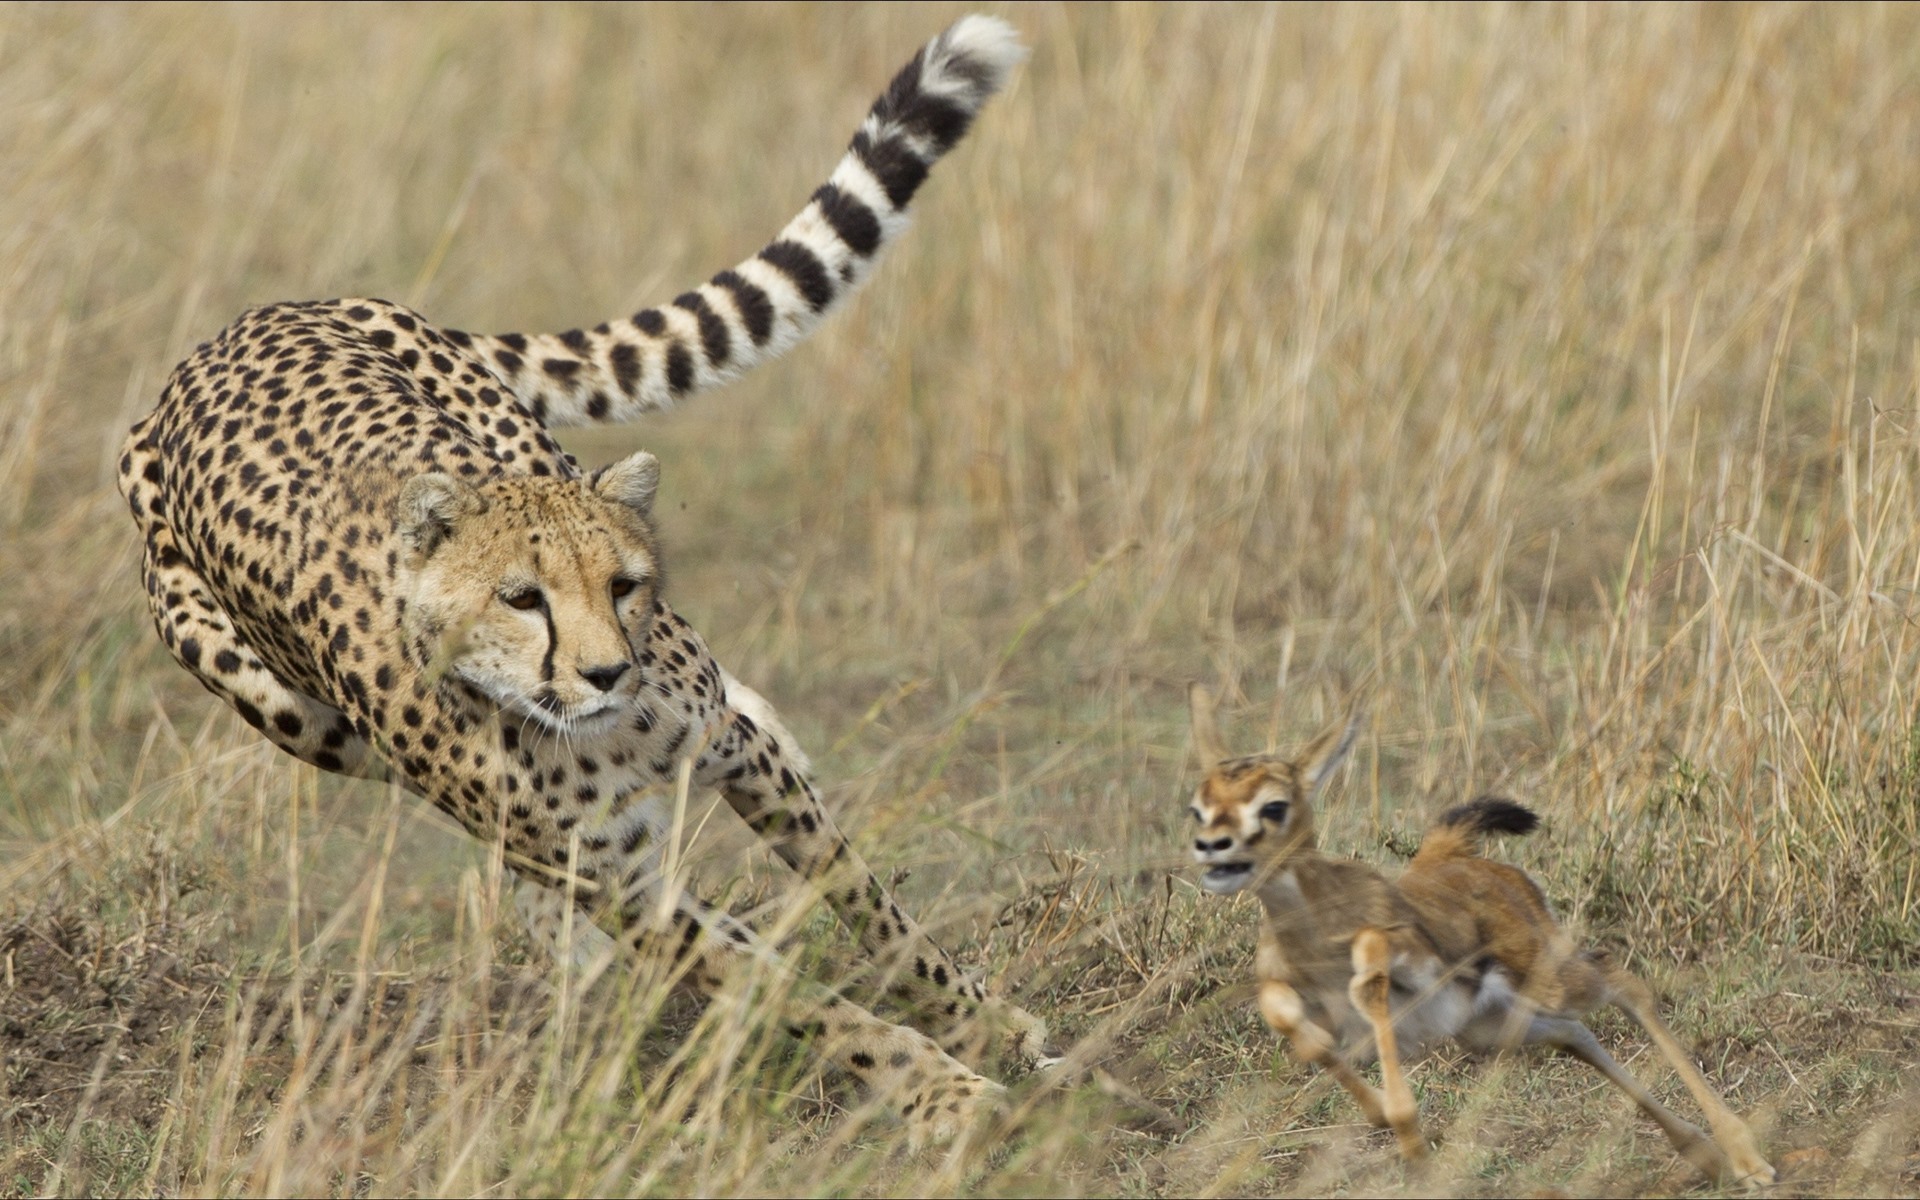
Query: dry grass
<point x="1547" y="375"/>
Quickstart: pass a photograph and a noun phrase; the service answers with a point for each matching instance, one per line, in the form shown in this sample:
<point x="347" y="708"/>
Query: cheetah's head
<point x="535" y="590"/>
<point x="1253" y="813"/>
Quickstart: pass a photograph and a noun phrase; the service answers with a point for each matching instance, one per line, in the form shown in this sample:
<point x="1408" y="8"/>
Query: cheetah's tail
<point x="752" y="312"/>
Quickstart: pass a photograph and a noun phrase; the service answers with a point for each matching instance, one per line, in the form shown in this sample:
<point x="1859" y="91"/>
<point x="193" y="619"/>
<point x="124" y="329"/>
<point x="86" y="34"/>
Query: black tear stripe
<point x="850" y="218"/>
<point x="804" y="268"/>
<point x="553" y="639"/>
<point x="753" y="304"/>
<point x="715" y="338"/>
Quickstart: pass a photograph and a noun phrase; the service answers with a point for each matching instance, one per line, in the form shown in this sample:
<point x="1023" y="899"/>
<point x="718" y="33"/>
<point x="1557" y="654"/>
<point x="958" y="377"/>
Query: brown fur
<point x="1460" y="947"/>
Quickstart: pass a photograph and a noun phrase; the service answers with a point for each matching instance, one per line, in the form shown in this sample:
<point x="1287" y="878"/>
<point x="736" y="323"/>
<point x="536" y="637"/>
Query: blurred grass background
<point x="1546" y="376"/>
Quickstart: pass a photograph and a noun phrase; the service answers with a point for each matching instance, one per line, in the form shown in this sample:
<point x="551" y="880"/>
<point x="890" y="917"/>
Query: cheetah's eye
<point x="526" y="599"/>
<point x="622" y="588"/>
<point x="1274" y="810"/>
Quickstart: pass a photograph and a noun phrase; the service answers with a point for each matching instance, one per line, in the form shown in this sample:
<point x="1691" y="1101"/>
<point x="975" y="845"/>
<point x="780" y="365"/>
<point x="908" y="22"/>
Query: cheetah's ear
<point x="632" y="481"/>
<point x="430" y="506"/>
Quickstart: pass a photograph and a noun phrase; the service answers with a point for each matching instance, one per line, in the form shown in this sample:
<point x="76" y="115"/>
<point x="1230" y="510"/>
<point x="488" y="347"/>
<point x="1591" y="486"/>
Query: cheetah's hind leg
<point x="202" y="638"/>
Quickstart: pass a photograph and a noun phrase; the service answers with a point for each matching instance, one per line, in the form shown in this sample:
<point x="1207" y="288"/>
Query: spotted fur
<point x="359" y="534"/>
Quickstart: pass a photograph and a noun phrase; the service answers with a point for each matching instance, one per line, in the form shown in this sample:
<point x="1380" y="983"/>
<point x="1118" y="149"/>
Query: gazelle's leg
<point x="1748" y="1164"/>
<point x="1283" y="1011"/>
<point x="1574" y="1038"/>
<point x="1372" y="961"/>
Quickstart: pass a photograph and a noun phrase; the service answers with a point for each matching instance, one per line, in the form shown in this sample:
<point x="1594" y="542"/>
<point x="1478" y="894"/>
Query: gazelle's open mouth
<point x="1222" y="878"/>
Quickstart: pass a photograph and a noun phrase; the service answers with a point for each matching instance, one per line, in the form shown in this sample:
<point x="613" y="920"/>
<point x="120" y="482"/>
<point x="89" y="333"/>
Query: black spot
<point x="287" y="723"/>
<point x="804" y="268"/>
<point x="190" y="652"/>
<point x="850" y="218"/>
<point x="649" y="321"/>
<point x="935" y="118"/>
<point x="625" y="358"/>
<point x="715" y="339"/>
<point x="508" y="360"/>
<point x="755" y="308"/>
<point x="597" y="406"/>
<point x="636" y="838"/>
<point x="561" y="368"/>
<point x="382" y="338"/>
<point x="226" y="662"/>
<point x="514" y="341"/>
<point x="899" y="170"/>
<point x="575" y="340"/>
<point x="679" y="368"/>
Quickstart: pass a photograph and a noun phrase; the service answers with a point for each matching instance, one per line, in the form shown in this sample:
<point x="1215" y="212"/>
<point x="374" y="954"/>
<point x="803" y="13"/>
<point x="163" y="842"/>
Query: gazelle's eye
<point x="526" y="599"/>
<point x="1274" y="810"/>
<point x="1196" y="814"/>
<point x="622" y="587"/>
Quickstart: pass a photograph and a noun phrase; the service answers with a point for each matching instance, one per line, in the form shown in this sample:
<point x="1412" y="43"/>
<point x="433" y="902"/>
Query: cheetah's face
<point x="536" y="591"/>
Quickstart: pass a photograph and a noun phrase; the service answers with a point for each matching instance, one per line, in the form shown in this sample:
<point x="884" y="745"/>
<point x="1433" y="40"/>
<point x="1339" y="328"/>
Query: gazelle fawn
<point x="1352" y="964"/>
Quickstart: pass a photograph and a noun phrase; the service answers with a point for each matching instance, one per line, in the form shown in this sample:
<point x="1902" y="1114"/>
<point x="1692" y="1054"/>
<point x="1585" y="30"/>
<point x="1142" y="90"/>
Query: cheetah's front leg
<point x="903" y="1069"/>
<point x="764" y="776"/>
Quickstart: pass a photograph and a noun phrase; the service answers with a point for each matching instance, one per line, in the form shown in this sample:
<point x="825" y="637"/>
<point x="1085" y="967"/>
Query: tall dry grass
<point x="1545" y="376"/>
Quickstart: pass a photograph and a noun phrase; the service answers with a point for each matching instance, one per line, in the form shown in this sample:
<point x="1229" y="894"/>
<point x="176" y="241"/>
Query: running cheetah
<point x="360" y="535"/>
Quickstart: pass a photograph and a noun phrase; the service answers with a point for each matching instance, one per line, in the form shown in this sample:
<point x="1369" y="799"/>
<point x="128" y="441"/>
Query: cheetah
<point x="1353" y="965"/>
<point x="359" y="533"/>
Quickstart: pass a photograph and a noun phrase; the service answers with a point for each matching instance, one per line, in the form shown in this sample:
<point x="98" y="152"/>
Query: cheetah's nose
<point x="604" y="677"/>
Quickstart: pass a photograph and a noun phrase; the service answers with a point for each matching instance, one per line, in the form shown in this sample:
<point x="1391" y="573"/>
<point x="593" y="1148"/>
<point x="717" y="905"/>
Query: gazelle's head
<point x="1251" y="814"/>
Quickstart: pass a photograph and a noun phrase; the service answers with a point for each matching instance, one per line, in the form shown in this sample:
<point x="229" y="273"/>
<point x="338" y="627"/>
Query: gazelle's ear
<point x="632" y="481"/>
<point x="1206" y="739"/>
<point x="1326" y="752"/>
<point x="431" y="504"/>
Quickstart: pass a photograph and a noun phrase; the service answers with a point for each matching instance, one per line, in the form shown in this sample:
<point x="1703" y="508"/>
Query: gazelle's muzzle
<point x="1227" y="867"/>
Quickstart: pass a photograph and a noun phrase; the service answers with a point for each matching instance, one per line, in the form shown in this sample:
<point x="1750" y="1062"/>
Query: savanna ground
<point x="1545" y="377"/>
